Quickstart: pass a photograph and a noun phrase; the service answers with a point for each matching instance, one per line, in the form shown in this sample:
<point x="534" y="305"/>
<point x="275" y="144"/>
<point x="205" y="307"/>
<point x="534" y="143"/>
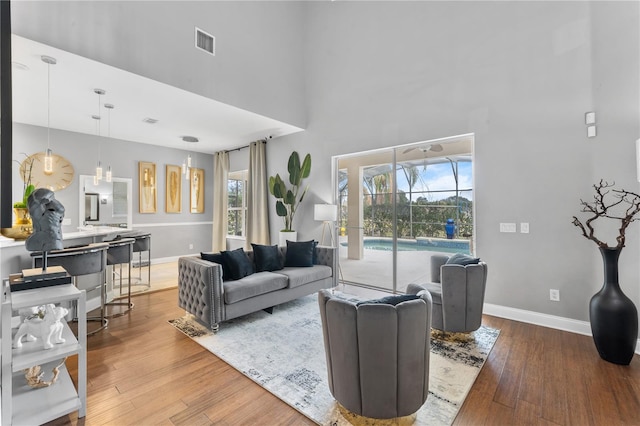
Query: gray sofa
<point x="203" y="293"/>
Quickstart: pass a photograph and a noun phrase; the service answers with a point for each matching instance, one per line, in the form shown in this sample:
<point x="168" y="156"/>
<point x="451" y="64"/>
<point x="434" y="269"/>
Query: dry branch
<point x="602" y="206"/>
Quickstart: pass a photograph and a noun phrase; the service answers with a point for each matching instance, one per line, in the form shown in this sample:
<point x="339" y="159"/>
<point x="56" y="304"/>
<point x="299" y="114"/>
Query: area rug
<point x="284" y="353"/>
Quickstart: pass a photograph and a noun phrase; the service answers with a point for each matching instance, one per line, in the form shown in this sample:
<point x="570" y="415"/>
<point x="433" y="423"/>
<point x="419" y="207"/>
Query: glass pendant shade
<point x="95" y="180"/>
<point x="108" y="174"/>
<point x="48" y="162"/>
<point x="189" y="160"/>
<point x="184" y="168"/>
<point x="99" y="171"/>
<point x="48" y="159"/>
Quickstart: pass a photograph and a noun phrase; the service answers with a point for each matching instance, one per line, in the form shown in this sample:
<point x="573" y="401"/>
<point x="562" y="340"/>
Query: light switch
<point x="507" y="227"/>
<point x="591" y="131"/>
<point x="524" y="227"/>
<point x="66" y="221"/>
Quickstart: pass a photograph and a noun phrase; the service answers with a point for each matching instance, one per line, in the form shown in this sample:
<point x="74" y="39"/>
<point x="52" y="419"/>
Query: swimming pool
<point x="419" y="244"/>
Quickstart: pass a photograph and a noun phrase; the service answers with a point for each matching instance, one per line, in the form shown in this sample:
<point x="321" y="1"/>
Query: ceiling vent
<point x="149" y="120"/>
<point x="205" y="42"/>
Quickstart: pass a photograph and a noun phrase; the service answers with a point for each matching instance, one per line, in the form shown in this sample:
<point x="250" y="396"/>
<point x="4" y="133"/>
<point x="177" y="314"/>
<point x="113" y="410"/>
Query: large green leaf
<point x="289" y="198"/>
<point x="272" y="185"/>
<point x="303" y="192"/>
<point x="306" y="166"/>
<point x="281" y="210"/>
<point x="276" y="186"/>
<point x="295" y="176"/>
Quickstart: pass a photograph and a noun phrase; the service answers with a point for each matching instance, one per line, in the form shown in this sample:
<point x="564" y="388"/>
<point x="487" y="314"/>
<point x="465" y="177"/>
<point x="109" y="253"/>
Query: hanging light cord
<point x="98" y="122"/>
<point x="48" y="105"/>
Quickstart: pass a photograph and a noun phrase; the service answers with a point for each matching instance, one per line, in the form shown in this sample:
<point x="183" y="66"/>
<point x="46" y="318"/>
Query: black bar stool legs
<point x="120" y="251"/>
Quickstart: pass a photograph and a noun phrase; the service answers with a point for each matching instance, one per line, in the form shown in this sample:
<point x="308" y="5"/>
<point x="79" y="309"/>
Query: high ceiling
<point x="72" y="103"/>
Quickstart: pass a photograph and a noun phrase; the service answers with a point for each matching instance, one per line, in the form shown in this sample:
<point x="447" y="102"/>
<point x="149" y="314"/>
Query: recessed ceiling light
<point x="190" y="139"/>
<point x="150" y="120"/>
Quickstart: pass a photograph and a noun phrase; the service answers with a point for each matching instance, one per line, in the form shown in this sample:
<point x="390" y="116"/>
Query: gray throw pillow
<point x="463" y="259"/>
<point x="390" y="300"/>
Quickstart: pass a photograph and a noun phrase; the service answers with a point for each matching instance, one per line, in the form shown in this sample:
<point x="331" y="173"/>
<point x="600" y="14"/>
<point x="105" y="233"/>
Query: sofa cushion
<point x="463" y="259"/>
<point x="238" y="262"/>
<point x="217" y="258"/>
<point x="300" y="253"/>
<point x="301" y="276"/>
<point x="266" y="258"/>
<point x="253" y="285"/>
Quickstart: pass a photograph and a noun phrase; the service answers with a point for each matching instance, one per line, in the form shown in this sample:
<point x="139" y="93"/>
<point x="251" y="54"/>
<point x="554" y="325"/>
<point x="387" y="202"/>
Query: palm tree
<point x="412" y="174"/>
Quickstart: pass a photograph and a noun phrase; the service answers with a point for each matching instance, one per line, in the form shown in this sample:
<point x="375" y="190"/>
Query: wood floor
<point x="144" y="372"/>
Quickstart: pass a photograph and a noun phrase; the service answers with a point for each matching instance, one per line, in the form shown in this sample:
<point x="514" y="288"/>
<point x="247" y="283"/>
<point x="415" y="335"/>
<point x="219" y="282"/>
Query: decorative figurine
<point x="46" y="213"/>
<point x="47" y="328"/>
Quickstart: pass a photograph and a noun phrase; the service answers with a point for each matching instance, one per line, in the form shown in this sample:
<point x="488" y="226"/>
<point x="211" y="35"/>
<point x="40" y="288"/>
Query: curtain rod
<point x="247" y="146"/>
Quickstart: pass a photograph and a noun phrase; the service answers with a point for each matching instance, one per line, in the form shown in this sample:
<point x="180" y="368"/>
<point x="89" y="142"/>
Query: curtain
<point x="220" y="200"/>
<point x="257" y="195"/>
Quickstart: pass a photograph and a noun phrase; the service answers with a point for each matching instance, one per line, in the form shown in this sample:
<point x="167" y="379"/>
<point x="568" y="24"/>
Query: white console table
<point x="22" y="404"/>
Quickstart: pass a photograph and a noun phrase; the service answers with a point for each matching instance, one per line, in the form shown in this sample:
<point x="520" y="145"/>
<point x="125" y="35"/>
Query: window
<point x="237" y="204"/>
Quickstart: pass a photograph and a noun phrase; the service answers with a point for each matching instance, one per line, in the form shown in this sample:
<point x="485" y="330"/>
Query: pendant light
<point x="109" y="107"/>
<point x="98" y="92"/>
<point x="48" y="158"/>
<point x="186" y="165"/>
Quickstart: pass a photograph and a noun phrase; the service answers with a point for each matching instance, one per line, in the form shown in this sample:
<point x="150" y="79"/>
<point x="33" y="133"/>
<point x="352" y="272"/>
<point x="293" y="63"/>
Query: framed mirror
<point x="91" y="207"/>
<point x="105" y="203"/>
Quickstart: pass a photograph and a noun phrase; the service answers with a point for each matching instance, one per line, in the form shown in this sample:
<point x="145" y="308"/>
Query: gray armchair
<point x="457" y="292"/>
<point x="377" y="354"/>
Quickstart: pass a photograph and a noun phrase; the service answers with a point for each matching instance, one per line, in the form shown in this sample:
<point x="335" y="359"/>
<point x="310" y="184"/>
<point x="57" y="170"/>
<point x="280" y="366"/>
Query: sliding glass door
<point x="400" y="205"/>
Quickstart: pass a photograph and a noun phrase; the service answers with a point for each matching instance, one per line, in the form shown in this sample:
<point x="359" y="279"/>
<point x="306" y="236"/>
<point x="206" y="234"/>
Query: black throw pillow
<point x="217" y="258"/>
<point x="267" y="258"/>
<point x="390" y="300"/>
<point x="300" y="253"/>
<point x="463" y="259"/>
<point x="238" y="262"/>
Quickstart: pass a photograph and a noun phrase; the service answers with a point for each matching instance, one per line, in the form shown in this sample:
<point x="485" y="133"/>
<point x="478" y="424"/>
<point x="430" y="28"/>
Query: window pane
<point x="235" y="223"/>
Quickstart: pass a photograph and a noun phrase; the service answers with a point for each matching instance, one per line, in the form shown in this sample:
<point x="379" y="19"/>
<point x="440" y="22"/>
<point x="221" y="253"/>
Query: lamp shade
<point x="325" y="212"/>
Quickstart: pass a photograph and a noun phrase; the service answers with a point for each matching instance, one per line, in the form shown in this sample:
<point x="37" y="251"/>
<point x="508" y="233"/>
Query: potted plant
<point x="288" y="199"/>
<point x="20" y="208"/>
<point x="613" y="316"/>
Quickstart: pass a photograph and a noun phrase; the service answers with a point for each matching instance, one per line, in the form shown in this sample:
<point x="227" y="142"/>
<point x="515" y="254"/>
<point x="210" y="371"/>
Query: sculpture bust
<point x="46" y="214"/>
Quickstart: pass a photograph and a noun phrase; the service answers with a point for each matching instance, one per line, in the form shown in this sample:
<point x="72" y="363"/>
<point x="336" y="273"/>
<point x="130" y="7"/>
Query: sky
<point x="436" y="177"/>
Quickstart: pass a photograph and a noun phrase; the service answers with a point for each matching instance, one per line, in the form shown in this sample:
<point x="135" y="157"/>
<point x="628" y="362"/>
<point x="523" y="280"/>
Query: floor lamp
<point x="327" y="213"/>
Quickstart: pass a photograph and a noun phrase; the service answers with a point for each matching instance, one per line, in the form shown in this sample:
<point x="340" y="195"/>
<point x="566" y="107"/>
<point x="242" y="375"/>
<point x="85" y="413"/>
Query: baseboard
<point x="544" y="320"/>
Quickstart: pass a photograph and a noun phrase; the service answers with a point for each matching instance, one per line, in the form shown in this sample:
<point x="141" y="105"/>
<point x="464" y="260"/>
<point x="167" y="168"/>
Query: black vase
<point x="613" y="316"/>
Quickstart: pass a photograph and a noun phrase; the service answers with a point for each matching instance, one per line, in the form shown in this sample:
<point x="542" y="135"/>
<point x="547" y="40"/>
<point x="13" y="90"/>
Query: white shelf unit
<point x="22" y="404"/>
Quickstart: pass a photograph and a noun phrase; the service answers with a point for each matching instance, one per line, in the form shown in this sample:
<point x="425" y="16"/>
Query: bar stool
<point x="120" y="251"/>
<point x="78" y="261"/>
<point x="142" y="243"/>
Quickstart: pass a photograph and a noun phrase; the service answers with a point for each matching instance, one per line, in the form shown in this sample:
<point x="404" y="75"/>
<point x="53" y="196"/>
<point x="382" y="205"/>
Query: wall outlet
<point x="66" y="221"/>
<point x="554" y="295"/>
<point x="190" y="246"/>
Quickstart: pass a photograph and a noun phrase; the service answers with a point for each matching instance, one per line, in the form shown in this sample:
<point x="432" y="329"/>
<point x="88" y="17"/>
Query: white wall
<point x="362" y="75"/>
<point x="257" y="65"/>
<point x="520" y="75"/>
